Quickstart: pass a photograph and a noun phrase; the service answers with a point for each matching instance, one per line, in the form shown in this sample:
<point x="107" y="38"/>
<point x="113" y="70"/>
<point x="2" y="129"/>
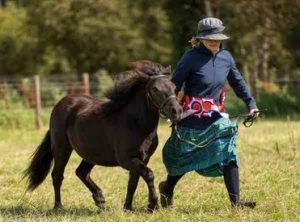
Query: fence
<point x="38" y="91"/>
<point x="45" y="91"/>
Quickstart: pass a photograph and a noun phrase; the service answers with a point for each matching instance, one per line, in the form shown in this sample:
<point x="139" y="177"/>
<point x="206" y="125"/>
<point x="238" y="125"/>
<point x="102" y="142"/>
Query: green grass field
<point x="269" y="172"/>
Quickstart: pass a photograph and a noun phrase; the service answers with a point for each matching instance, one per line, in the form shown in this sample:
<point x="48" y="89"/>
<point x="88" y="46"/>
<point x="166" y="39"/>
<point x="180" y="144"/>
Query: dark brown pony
<point x="119" y="132"/>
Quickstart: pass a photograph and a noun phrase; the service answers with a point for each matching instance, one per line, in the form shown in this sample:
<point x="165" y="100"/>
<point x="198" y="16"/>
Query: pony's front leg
<point x="136" y="166"/>
<point x="150" y="144"/>
<point x="131" y="188"/>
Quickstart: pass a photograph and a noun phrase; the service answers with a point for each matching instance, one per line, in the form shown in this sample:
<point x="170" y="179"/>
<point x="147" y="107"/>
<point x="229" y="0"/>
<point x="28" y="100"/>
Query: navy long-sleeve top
<point x="205" y="75"/>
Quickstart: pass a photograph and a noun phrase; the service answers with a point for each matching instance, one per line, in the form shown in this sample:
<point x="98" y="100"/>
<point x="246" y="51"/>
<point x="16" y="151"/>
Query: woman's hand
<point x="254" y="112"/>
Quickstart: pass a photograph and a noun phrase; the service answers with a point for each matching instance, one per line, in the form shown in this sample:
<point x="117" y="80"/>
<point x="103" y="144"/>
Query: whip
<point x="249" y="118"/>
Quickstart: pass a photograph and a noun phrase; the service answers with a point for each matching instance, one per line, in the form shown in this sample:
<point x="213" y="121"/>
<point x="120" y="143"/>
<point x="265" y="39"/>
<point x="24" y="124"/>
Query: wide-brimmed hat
<point x="211" y="29"/>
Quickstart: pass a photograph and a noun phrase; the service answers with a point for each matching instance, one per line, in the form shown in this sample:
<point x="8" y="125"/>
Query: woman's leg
<point x="231" y="178"/>
<point x="166" y="189"/>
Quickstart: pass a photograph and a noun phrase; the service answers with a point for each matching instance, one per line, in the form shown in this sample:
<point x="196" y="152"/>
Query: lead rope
<point x="247" y="123"/>
<point x="199" y="145"/>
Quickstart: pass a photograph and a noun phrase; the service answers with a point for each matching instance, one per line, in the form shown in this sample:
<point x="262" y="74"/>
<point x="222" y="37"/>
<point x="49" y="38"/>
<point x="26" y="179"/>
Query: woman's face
<point x="212" y="45"/>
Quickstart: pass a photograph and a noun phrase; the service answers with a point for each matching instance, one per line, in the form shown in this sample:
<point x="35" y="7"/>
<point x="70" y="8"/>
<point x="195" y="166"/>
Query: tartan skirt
<point x="179" y="156"/>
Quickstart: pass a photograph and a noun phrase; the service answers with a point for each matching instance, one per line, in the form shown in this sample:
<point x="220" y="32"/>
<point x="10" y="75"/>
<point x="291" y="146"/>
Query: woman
<point x="204" y="70"/>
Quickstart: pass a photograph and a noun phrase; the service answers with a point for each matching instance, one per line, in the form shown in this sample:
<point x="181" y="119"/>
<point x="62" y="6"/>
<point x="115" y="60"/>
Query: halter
<point x="150" y="97"/>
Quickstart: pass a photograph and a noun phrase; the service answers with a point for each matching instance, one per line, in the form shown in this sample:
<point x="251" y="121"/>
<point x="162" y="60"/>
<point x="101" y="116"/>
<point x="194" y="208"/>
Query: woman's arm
<point x="181" y="72"/>
<point x="237" y="82"/>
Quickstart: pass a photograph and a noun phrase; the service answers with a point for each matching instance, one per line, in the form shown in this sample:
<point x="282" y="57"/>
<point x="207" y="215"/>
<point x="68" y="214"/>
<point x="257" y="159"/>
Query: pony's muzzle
<point x="174" y="111"/>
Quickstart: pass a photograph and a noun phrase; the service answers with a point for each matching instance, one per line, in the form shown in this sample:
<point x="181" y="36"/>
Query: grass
<point x="269" y="173"/>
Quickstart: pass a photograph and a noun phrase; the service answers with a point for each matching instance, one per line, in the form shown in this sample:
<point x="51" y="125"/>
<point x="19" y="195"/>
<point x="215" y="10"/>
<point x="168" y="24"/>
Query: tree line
<point x="63" y="37"/>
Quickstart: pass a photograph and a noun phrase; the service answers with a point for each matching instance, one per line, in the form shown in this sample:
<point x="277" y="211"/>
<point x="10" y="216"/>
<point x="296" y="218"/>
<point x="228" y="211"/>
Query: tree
<point x="184" y="16"/>
<point x="2" y="3"/>
<point x="93" y="34"/>
<point x="258" y="30"/>
<point x="17" y="45"/>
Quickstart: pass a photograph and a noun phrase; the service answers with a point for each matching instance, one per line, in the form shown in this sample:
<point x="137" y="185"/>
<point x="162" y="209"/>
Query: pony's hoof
<point x="244" y="204"/>
<point x="152" y="207"/>
<point x="58" y="206"/>
<point x="101" y="207"/>
<point x="99" y="201"/>
<point x="127" y="207"/>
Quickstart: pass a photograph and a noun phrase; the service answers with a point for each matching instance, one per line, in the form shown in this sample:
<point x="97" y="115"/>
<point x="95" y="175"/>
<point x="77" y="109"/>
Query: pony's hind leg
<point x="61" y="156"/>
<point x="83" y="172"/>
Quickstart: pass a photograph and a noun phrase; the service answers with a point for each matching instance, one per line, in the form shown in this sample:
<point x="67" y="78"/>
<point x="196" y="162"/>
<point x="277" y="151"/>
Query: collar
<point x="203" y="49"/>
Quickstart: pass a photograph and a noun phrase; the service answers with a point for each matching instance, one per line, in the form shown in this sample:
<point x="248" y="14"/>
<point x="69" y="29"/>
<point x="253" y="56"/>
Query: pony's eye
<point x="155" y="89"/>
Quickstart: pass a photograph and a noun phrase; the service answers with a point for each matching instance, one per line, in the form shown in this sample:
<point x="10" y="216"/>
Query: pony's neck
<point x="141" y="112"/>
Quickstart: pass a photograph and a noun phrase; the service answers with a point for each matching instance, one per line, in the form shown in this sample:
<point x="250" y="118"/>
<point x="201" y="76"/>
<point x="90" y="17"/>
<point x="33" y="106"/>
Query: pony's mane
<point x="126" y="82"/>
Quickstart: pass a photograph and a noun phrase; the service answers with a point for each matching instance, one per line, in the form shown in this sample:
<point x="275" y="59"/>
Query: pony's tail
<point x="40" y="164"/>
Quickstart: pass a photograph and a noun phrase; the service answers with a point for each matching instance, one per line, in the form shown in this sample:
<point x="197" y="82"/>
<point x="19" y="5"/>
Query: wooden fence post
<point x="37" y="93"/>
<point x="86" y="83"/>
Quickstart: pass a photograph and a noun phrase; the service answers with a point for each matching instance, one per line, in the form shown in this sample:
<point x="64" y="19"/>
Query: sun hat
<point x="211" y="29"/>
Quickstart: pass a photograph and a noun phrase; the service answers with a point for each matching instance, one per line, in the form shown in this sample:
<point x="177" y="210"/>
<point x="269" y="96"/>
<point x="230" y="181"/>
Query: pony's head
<point x="160" y="90"/>
<point x="153" y="78"/>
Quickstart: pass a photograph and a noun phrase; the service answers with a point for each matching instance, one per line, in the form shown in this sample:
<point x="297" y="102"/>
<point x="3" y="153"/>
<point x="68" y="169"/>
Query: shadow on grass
<point x="21" y="211"/>
<point x="184" y="209"/>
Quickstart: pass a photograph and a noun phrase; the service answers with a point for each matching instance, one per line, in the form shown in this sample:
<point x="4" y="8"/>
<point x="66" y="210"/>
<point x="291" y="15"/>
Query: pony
<point x="119" y="132"/>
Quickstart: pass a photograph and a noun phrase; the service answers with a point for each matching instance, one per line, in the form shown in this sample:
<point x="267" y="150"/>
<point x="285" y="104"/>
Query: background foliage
<point x="71" y="37"/>
<point x="62" y="39"/>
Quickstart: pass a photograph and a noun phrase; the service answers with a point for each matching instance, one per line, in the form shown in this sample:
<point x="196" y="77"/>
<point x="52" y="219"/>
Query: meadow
<point x="269" y="173"/>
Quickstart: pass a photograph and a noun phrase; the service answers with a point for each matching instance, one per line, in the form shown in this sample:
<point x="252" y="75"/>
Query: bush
<point x="17" y="46"/>
<point x="278" y="103"/>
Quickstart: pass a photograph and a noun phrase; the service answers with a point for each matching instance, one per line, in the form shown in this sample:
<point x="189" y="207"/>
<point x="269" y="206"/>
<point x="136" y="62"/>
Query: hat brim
<point x="217" y="36"/>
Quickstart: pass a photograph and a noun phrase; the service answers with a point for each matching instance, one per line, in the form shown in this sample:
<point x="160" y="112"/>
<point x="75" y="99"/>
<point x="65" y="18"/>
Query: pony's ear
<point x="142" y="64"/>
<point x="144" y="77"/>
<point x="168" y="70"/>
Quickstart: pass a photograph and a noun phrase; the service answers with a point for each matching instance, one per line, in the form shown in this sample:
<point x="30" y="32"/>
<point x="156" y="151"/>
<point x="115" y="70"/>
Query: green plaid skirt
<point x="181" y="157"/>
